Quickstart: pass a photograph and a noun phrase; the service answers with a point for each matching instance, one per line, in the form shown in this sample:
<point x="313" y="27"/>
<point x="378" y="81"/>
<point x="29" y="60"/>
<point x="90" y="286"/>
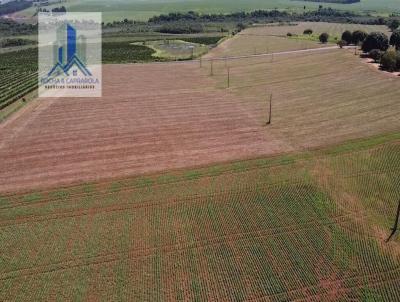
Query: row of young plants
<point x="224" y="241"/>
<point x="18" y="75"/>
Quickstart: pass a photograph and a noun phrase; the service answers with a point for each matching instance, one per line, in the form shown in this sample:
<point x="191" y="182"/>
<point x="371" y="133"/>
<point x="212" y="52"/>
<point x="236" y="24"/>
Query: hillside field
<point x="189" y="117"/>
<point x="172" y="187"/>
<point x="307" y="227"/>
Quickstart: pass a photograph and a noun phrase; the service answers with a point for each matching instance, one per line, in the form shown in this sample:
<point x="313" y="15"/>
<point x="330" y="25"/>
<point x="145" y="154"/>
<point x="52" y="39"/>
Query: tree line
<point x="319" y="15"/>
<point x="377" y="46"/>
<point x="335" y="1"/>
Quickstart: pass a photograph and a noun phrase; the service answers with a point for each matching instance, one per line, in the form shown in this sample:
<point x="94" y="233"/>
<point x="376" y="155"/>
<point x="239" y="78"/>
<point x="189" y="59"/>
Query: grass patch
<point x="174" y="49"/>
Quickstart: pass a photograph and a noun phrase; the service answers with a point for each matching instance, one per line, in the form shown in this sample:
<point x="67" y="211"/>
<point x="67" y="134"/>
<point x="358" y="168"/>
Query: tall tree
<point x="347" y="36"/>
<point x="359" y="36"/>
<point x="393" y="24"/>
<point x="395" y="39"/>
<point x="376" y="40"/>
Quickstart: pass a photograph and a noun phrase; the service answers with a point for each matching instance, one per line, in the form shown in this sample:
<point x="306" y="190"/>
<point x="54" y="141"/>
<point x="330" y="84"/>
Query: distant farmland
<point x="143" y="10"/>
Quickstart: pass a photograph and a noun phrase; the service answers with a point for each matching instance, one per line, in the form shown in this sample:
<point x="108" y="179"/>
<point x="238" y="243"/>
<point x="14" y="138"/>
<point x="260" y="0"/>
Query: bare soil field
<point x="98" y="203"/>
<point x="169" y="116"/>
<point x="151" y="117"/>
<point x="319" y="98"/>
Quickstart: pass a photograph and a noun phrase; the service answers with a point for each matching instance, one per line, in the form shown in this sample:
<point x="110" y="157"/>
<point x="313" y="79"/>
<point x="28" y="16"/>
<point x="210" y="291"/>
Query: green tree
<point x="395" y="39"/>
<point x="347" y="36"/>
<point x="359" y="36"/>
<point x="389" y="60"/>
<point x="393" y="24"/>
<point x="376" y="40"/>
<point x="323" y="38"/>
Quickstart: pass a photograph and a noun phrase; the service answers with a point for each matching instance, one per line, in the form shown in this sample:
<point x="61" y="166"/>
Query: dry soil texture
<point x="166" y="116"/>
<point x="151" y="117"/>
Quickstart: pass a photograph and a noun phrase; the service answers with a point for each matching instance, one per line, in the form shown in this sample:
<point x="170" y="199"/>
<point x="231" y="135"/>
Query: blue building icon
<point x="66" y="53"/>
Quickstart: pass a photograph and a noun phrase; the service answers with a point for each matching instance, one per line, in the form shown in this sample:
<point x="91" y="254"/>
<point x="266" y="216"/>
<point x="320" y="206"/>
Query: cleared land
<point x="319" y="98"/>
<point x="166" y="116"/>
<point x="307" y="227"/>
<point x="272" y="38"/>
<point x="152" y="117"/>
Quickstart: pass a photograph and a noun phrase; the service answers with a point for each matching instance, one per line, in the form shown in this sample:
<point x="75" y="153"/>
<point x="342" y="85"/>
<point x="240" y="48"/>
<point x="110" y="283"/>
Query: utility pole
<point x="229" y="78"/>
<point x="270" y="110"/>
<point x="396" y="223"/>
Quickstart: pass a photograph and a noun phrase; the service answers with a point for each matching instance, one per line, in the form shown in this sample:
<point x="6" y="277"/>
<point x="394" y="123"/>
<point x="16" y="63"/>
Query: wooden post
<point x="270" y="110"/>
<point x="272" y="58"/>
<point x="396" y="223"/>
<point x="229" y="78"/>
<point x="201" y="63"/>
<point x="212" y="69"/>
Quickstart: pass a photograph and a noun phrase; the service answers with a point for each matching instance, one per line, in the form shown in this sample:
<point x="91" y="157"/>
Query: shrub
<point x="342" y="43"/>
<point x="289" y="34"/>
<point x="323" y="38"/>
<point x="389" y="60"/>
<point x="359" y="36"/>
<point x="375" y="54"/>
<point x="376" y="40"/>
<point x="240" y="27"/>
<point x="308" y="32"/>
<point x="393" y="24"/>
<point x="347" y="36"/>
<point x="395" y="39"/>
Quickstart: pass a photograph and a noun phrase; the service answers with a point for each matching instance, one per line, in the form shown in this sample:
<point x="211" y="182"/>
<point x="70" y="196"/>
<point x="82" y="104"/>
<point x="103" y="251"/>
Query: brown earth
<point x="151" y="117"/>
